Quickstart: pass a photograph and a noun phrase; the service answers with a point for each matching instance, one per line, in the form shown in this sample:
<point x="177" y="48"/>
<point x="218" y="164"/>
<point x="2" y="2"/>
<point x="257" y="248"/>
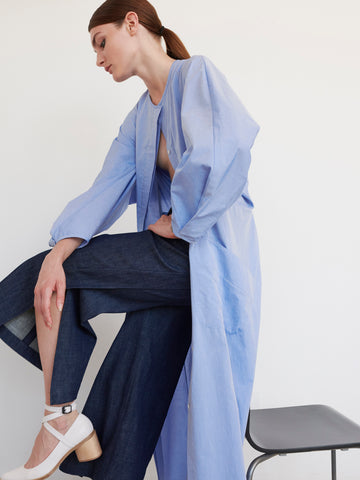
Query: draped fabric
<point x="209" y="135"/>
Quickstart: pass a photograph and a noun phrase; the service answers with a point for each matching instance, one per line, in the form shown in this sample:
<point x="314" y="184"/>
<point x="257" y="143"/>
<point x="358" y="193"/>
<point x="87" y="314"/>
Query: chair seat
<point x="301" y="428"/>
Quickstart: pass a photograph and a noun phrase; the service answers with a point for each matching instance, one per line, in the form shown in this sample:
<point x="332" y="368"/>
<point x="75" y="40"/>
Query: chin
<point x="121" y="78"/>
<point x="117" y="78"/>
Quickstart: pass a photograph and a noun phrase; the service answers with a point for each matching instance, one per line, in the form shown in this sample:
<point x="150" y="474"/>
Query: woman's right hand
<point x="51" y="279"/>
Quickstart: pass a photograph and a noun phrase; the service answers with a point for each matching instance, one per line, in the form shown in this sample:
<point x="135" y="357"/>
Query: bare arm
<point x="52" y="277"/>
<point x="64" y="248"/>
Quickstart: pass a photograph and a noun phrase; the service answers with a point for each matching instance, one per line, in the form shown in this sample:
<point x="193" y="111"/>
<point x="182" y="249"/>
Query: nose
<point x="99" y="60"/>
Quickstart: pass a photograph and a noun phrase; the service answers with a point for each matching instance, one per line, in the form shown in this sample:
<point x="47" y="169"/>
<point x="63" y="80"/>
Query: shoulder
<point x="200" y="68"/>
<point x="195" y="63"/>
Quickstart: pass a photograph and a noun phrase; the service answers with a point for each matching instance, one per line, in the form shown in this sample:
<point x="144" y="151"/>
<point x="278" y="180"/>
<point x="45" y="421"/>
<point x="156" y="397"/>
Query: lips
<point x="107" y="68"/>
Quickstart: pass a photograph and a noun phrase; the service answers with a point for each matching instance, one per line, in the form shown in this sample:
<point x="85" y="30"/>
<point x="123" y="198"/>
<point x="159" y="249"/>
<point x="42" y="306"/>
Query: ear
<point x="131" y="22"/>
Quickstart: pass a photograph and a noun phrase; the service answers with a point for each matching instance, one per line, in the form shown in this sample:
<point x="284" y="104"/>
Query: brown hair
<point x="114" y="11"/>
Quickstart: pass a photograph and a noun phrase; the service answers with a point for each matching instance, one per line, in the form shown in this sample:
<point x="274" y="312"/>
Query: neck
<point x="154" y="71"/>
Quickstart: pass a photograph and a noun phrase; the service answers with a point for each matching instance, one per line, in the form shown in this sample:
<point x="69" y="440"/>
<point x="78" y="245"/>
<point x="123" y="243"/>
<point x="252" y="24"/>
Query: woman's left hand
<point x="163" y="227"/>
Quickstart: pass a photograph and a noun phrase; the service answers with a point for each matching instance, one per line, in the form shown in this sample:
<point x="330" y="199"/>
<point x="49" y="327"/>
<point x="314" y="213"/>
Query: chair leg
<point x="267" y="456"/>
<point x="333" y="464"/>
<point x="256" y="462"/>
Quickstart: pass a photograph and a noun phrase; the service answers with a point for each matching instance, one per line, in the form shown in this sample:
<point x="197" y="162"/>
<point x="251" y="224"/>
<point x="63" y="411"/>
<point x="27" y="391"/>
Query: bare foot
<point x="45" y="441"/>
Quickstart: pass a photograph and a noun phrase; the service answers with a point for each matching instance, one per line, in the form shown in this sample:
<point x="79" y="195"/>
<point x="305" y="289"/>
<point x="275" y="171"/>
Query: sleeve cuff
<point x="52" y="241"/>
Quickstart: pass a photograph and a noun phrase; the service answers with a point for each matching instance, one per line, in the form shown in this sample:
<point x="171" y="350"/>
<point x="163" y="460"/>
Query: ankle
<point x="64" y="419"/>
<point x="58" y="408"/>
<point x="64" y="422"/>
<point x="64" y="416"/>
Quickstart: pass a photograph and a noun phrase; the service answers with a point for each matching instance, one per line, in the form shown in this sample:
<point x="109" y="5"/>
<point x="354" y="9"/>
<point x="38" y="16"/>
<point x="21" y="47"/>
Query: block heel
<point x="89" y="449"/>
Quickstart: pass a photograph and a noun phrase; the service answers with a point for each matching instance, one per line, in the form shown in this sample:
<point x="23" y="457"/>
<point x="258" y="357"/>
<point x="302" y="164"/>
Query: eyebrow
<point x="93" y="40"/>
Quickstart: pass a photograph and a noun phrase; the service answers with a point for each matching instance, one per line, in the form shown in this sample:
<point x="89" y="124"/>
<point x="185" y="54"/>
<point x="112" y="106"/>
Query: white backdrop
<point x="295" y="66"/>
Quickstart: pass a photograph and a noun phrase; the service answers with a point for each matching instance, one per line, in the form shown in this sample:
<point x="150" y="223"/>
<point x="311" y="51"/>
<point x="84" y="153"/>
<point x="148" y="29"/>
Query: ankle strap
<point x="59" y="411"/>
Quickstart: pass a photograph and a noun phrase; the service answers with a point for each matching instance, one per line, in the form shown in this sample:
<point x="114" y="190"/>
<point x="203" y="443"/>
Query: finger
<point x="60" y="296"/>
<point x="37" y="306"/>
<point x="46" y="305"/>
<point x="46" y="322"/>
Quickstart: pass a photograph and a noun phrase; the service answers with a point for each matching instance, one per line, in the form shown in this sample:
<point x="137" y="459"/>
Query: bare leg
<point x="45" y="442"/>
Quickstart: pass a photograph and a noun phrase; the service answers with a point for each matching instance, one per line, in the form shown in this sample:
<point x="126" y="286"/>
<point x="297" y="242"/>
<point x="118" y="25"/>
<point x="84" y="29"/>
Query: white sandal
<point x="80" y="437"/>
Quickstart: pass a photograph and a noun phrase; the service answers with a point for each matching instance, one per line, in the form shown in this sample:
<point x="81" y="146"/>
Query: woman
<point x="182" y="154"/>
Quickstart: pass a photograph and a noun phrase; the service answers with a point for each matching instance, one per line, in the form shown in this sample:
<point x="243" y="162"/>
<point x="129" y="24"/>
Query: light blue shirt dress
<point x="209" y="134"/>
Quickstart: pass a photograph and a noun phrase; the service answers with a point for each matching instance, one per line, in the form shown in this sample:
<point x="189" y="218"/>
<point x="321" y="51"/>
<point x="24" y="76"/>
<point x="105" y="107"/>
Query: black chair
<point x="302" y="428"/>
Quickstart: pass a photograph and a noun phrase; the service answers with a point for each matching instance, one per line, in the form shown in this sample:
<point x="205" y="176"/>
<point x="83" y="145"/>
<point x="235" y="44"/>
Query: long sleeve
<point x="218" y="134"/>
<point x="112" y="191"/>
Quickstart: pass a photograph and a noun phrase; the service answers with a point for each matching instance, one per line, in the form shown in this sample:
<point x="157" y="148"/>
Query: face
<point x="115" y="49"/>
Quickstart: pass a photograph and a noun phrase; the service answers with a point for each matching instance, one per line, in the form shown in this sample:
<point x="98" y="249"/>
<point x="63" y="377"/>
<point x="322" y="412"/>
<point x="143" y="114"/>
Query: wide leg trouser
<point x="148" y="277"/>
<point x="114" y="273"/>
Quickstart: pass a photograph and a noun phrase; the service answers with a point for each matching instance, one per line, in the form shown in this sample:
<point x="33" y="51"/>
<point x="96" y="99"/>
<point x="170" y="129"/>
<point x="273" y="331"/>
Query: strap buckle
<point x="67" y="409"/>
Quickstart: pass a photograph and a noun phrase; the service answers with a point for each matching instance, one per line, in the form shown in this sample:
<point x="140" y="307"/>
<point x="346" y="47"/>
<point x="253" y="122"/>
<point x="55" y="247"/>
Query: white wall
<point x="295" y="67"/>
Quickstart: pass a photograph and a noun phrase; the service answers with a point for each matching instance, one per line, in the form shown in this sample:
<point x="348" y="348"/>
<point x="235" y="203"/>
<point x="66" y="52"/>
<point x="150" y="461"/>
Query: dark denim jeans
<point x="148" y="277"/>
<point x="114" y="273"/>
